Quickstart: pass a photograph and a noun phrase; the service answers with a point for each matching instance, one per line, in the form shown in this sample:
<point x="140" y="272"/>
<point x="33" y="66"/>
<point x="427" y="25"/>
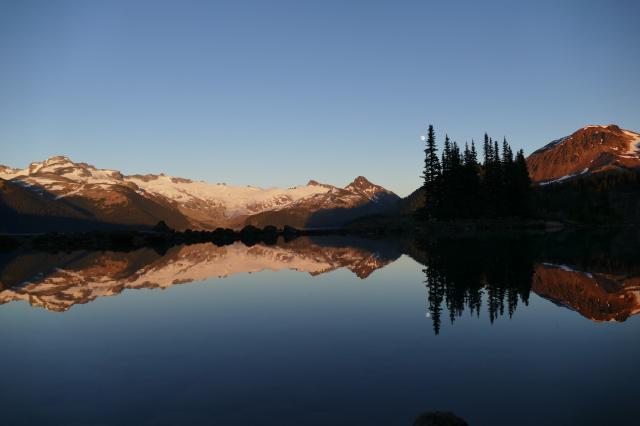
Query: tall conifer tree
<point x="431" y="162"/>
<point x="431" y="174"/>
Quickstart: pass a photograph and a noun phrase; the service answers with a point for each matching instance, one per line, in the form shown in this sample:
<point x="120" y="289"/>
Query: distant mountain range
<point x="590" y="150"/>
<point x="72" y="195"/>
<point x="61" y="195"/>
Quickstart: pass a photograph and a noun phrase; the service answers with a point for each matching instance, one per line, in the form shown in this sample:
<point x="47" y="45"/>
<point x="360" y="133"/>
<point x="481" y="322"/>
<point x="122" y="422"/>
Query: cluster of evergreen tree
<point x="458" y="185"/>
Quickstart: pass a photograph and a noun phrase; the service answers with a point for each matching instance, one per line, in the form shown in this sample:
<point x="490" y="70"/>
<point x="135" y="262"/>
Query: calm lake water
<point x="325" y="331"/>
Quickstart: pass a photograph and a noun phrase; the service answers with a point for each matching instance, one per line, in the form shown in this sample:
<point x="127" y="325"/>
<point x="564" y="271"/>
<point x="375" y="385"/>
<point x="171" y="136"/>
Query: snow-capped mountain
<point x="334" y="206"/>
<point x="106" y="195"/>
<point x="591" y="149"/>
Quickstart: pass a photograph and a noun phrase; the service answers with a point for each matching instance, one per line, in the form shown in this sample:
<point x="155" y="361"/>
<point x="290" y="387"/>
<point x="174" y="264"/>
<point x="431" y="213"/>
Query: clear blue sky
<point x="276" y="93"/>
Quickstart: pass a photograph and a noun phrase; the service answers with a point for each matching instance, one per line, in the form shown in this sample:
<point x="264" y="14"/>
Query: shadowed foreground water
<point x="337" y="331"/>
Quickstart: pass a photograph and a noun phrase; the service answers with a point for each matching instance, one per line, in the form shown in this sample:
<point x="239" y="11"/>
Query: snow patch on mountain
<point x="634" y="144"/>
<point x="236" y="199"/>
<point x="563" y="178"/>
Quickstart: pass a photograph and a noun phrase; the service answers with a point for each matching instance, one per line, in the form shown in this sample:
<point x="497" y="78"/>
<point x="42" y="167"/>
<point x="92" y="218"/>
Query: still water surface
<point x="326" y="331"/>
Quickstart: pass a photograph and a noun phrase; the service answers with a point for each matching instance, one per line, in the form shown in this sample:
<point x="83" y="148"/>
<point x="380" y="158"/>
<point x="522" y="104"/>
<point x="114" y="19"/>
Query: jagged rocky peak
<point x="591" y="149"/>
<point x="361" y="185"/>
<point x="361" y="182"/>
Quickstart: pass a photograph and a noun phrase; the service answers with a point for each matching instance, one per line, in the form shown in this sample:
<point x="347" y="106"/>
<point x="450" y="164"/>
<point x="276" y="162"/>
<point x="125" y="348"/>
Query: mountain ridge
<point x="108" y="195"/>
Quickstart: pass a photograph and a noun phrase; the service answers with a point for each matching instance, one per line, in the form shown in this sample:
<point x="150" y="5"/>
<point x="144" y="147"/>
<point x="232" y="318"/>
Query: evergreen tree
<point x="490" y="178"/>
<point x="445" y="197"/>
<point x="487" y="150"/>
<point x="446" y="156"/>
<point x="474" y="154"/>
<point x="431" y="173"/>
<point x="455" y="157"/>
<point x="521" y="184"/>
<point x="471" y="182"/>
<point x="509" y="179"/>
<point x="507" y="153"/>
<point x="458" y="190"/>
<point x="431" y="162"/>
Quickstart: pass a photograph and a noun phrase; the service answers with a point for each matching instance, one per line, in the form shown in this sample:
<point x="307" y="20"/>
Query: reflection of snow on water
<point x="567" y="268"/>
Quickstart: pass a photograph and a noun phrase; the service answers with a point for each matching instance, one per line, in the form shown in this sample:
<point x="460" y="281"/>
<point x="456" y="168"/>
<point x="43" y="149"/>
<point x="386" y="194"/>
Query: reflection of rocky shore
<point x="597" y="296"/>
<point x="59" y="281"/>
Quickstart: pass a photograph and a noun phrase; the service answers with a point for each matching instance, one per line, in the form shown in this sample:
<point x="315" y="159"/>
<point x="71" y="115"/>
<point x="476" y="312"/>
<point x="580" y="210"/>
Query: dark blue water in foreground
<point x="284" y="347"/>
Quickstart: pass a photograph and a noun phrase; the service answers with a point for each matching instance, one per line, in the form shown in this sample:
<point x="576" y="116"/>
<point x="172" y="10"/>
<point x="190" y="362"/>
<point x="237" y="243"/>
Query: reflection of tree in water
<point x="461" y="273"/>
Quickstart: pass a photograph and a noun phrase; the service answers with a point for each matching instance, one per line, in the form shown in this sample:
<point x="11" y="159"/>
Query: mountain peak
<point x="613" y="127"/>
<point x="362" y="186"/>
<point x="54" y="164"/>
<point x="590" y="149"/>
<point x="54" y="160"/>
<point x="360" y="181"/>
<point x="57" y="158"/>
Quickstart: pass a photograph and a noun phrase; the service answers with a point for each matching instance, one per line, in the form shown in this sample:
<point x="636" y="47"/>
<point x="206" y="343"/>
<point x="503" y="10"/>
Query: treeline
<point x="610" y="197"/>
<point x="160" y="238"/>
<point x="458" y="185"/>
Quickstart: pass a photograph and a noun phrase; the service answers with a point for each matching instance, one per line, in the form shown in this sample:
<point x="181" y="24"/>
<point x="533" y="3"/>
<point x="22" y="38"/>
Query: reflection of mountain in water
<point x="597" y="296"/>
<point x="602" y="283"/>
<point x="596" y="274"/>
<point x="500" y="273"/>
<point x="57" y="282"/>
